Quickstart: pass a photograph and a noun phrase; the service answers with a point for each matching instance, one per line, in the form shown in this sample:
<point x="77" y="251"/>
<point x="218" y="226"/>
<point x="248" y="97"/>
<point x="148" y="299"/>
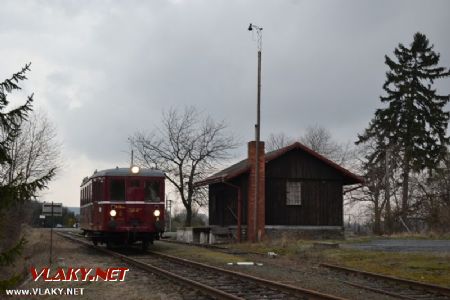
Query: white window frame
<point x="293" y="193"/>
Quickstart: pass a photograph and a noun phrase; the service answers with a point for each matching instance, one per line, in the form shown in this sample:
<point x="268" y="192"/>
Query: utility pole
<point x="388" y="216"/>
<point x="169" y="210"/>
<point x="51" y="238"/>
<point x="258" y="31"/>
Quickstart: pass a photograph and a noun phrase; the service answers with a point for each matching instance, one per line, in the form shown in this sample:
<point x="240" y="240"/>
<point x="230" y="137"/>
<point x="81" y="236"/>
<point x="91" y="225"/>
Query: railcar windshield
<point x="117" y="190"/>
<point x="134" y="190"/>
<point x="152" y="191"/>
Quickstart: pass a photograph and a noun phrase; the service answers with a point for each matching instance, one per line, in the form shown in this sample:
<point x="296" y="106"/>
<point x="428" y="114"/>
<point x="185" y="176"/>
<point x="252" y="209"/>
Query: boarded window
<point x="117" y="190"/>
<point x="293" y="193"/>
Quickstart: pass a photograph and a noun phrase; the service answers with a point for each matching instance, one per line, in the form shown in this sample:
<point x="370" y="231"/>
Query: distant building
<point x="301" y="193"/>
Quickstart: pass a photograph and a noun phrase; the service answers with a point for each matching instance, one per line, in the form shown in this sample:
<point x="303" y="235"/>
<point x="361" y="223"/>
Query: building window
<point x="293" y="193"/>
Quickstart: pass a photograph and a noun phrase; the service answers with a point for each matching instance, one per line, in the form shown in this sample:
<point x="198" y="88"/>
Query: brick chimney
<point x="261" y="201"/>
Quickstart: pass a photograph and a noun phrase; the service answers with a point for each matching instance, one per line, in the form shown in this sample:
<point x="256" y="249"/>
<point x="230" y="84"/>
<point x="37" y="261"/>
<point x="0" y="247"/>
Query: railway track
<point x="214" y="282"/>
<point x="392" y="286"/>
<point x="377" y="283"/>
<point x="211" y="246"/>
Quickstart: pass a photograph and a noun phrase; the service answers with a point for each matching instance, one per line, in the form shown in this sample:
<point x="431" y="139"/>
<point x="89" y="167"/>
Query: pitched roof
<point x="243" y="166"/>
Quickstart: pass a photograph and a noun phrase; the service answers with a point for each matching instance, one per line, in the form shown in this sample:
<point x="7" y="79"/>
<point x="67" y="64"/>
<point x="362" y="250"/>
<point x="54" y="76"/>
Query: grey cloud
<point x="108" y="68"/>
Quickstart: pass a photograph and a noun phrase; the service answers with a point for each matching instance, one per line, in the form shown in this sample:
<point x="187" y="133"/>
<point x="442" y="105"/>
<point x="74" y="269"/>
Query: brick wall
<point x="259" y="233"/>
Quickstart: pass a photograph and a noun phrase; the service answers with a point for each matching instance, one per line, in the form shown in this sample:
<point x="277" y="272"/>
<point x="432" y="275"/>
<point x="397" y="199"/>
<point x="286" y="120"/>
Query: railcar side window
<point x="98" y="190"/>
<point x="293" y="193"/>
<point x="152" y="191"/>
<point x="117" y="190"/>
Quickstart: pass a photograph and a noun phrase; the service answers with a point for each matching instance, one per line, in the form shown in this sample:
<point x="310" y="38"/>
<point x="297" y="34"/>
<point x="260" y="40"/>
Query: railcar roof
<point x="126" y="172"/>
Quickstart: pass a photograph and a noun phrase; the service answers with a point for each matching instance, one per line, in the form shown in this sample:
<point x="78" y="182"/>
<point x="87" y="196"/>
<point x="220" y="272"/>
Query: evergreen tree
<point x="414" y="123"/>
<point x="14" y="190"/>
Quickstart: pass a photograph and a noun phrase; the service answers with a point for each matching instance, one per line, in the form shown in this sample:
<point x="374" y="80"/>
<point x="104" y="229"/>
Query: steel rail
<point x="379" y="291"/>
<point x="211" y="291"/>
<point x="218" y="294"/>
<point x="410" y="283"/>
<point x="290" y="289"/>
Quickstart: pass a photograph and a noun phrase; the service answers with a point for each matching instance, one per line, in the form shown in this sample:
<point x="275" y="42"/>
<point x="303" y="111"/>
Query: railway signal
<point x="51" y="210"/>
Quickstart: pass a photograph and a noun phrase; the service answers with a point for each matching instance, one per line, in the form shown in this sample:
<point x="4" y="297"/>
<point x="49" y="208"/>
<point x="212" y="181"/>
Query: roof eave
<point x="224" y="178"/>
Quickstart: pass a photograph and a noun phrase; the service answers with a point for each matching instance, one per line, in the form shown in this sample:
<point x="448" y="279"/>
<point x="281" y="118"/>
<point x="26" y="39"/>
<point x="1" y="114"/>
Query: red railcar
<point x="123" y="205"/>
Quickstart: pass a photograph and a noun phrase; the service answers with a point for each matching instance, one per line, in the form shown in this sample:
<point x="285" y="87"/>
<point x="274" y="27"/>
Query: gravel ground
<point x="307" y="275"/>
<point x="137" y="284"/>
<point x="303" y="272"/>
<point x="403" y="245"/>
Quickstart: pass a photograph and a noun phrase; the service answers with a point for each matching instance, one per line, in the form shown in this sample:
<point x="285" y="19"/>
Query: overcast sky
<point x="103" y="70"/>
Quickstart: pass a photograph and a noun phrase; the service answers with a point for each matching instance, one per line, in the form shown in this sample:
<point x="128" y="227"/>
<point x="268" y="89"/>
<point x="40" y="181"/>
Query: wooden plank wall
<point x="322" y="198"/>
<point x="321" y="204"/>
<point x="222" y="196"/>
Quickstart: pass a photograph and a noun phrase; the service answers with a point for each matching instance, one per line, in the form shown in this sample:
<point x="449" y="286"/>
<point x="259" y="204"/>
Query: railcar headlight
<point x="135" y="169"/>
<point x="112" y="212"/>
<point x="156" y="213"/>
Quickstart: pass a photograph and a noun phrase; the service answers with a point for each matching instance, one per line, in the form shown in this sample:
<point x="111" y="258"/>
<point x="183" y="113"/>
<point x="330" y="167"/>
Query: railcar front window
<point x="152" y="191"/>
<point x="134" y="183"/>
<point x="117" y="190"/>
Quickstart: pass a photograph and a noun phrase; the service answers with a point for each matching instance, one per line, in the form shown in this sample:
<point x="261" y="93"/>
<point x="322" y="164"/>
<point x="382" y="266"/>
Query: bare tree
<point x="372" y="191"/>
<point x="317" y="138"/>
<point x="186" y="147"/>
<point x="278" y="141"/>
<point x="34" y="152"/>
<point x="430" y="199"/>
<point x="381" y="191"/>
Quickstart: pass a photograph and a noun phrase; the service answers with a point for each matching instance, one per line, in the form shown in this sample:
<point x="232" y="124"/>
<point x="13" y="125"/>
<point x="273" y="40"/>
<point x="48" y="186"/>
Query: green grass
<point x="424" y="267"/>
<point x="399" y="236"/>
<point x="420" y="266"/>
<point x="420" y="236"/>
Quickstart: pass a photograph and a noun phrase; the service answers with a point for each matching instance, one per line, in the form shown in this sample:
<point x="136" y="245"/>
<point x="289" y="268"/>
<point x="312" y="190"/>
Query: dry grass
<point x="137" y="283"/>
<point x="281" y="246"/>
<point x="21" y="263"/>
<point x="198" y="254"/>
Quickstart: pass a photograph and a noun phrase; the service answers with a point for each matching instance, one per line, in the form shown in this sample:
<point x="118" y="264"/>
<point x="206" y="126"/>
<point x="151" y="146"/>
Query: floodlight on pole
<point x="258" y="31"/>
